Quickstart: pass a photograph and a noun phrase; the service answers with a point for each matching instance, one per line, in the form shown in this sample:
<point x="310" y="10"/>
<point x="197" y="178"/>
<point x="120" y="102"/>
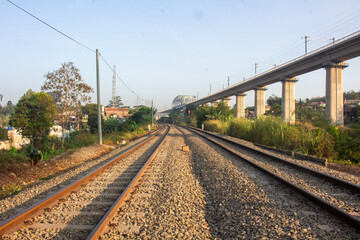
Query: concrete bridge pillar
<point x="288" y="100"/>
<point x="334" y="108"/>
<point x="226" y="101"/>
<point x="259" y="101"/>
<point x="214" y="103"/>
<point x="240" y="105"/>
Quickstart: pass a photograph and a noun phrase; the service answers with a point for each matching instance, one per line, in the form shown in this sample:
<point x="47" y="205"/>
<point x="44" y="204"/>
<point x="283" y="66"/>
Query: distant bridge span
<point x="332" y="57"/>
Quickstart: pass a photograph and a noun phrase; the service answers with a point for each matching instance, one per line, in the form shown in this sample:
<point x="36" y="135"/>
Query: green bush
<point x="240" y="128"/>
<point x="11" y="157"/>
<point x="3" y="134"/>
<point x="215" y="126"/>
<point x="80" y="139"/>
<point x="272" y="131"/>
<point x="113" y="125"/>
<point x="348" y="143"/>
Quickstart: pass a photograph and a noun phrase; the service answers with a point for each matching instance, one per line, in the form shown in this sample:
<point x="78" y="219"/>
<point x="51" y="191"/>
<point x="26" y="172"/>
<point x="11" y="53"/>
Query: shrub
<point x="348" y="143"/>
<point x="9" y="190"/>
<point x="3" y="134"/>
<point x="80" y="139"/>
<point x="215" y="126"/>
<point x="240" y="128"/>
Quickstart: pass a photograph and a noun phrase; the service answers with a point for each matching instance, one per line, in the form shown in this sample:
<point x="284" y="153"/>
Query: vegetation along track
<point x="338" y="197"/>
<point x="84" y="208"/>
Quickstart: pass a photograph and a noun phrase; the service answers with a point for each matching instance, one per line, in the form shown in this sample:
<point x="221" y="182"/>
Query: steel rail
<point x="17" y="222"/>
<point x="335" y="211"/>
<point x="351" y="186"/>
<point x="103" y="224"/>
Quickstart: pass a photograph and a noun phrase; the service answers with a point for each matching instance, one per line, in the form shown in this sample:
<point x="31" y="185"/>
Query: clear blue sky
<point x="162" y="49"/>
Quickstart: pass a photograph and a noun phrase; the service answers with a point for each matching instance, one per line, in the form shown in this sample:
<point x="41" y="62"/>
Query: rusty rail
<point x="17" y="222"/>
<point x="103" y="225"/>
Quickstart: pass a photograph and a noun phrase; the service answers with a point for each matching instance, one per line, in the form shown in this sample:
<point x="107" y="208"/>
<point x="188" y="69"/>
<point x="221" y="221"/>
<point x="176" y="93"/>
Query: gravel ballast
<point x="13" y="205"/>
<point x="332" y="193"/>
<point x="205" y="193"/>
<point x="176" y="208"/>
<point x="243" y="203"/>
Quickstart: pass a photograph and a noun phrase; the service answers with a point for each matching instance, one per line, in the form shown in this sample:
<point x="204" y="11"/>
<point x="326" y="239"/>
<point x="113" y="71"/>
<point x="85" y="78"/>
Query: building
<point x="115" y="112"/>
<point x="182" y="99"/>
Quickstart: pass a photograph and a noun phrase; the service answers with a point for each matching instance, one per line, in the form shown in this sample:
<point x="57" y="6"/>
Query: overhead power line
<point x="121" y="79"/>
<point x="72" y="39"/>
<point x="83" y="45"/>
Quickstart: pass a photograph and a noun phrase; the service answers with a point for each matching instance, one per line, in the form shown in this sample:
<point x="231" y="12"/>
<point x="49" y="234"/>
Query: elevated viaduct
<point x="331" y="57"/>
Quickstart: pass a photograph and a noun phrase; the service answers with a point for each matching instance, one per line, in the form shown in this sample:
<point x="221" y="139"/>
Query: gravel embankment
<point x="205" y="194"/>
<point x="243" y="203"/>
<point x="174" y="206"/>
<point x="342" y="175"/>
<point x="329" y="192"/>
<point x="12" y="205"/>
<point x="77" y="210"/>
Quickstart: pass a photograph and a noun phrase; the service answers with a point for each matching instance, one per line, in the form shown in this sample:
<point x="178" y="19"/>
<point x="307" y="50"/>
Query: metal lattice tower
<point x="113" y="87"/>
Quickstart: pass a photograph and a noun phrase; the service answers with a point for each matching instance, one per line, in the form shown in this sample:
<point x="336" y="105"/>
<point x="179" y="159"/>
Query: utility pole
<point x="228" y="81"/>
<point x="152" y="113"/>
<point x="256" y="67"/>
<point x="307" y="39"/>
<point x="98" y="97"/>
<point x="210" y="88"/>
<point x="113" y="87"/>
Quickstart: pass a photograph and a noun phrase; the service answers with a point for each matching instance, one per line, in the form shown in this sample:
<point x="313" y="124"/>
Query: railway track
<point x="84" y="209"/>
<point x="336" y="196"/>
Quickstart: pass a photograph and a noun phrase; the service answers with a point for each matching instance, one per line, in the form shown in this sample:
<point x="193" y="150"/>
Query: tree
<point x="273" y="100"/>
<point x="174" y="115"/>
<point x="143" y="115"/>
<point x="34" y="115"/>
<point x="221" y="112"/>
<point x="5" y="113"/>
<point x="351" y="95"/>
<point x="116" y="103"/>
<point x="355" y="114"/>
<point x="275" y="110"/>
<point x="8" y="109"/>
<point x="69" y="91"/>
<point x="91" y="111"/>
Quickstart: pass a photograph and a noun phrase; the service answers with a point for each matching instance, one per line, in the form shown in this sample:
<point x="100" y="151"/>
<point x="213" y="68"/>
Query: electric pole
<point x="307" y="39"/>
<point x="228" y="82"/>
<point x="113" y="87"/>
<point x="98" y="97"/>
<point x="152" y="113"/>
<point x="256" y="67"/>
